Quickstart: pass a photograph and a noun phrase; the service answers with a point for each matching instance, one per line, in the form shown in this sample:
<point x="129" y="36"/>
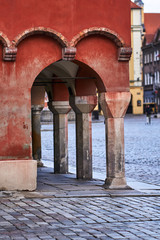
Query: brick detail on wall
<point x="68" y="48"/>
<point x="68" y="53"/>
<point x="98" y="31"/>
<point x="41" y="30"/>
<point x="9" y="53"/>
<point x="124" y="54"/>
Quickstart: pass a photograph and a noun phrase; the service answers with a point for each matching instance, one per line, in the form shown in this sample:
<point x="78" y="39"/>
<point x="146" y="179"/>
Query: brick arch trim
<point x="43" y="31"/>
<point x="4" y="40"/>
<point x="98" y="31"/>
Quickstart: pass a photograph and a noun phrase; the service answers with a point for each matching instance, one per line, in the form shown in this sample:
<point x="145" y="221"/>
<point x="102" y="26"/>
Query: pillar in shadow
<point x="83" y="106"/>
<point x="36" y="131"/>
<point x="60" y="110"/>
<point x="37" y="101"/>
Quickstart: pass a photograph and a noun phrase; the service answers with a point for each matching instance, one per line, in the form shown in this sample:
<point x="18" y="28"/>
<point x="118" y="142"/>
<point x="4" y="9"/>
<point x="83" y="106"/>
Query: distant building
<point x="135" y="65"/>
<point x="151" y="61"/>
<point x="139" y="3"/>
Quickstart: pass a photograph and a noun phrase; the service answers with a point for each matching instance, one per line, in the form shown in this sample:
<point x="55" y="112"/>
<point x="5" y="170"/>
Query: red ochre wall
<point x="101" y="55"/>
<point x="68" y="17"/>
<point x="34" y="53"/>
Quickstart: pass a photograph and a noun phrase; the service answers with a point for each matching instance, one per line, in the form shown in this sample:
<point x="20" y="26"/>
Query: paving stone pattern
<point x="127" y="218"/>
<point x="80" y="218"/>
<point x="142" y="142"/>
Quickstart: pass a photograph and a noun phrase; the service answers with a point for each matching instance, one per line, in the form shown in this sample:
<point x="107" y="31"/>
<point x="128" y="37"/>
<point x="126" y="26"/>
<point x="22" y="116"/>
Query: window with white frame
<point x="155" y="77"/>
<point x="157" y="55"/>
<point x="145" y="59"/>
<point x="147" y="78"/>
<point x="151" y="79"/>
<point x="144" y="79"/>
<point x="150" y="57"/>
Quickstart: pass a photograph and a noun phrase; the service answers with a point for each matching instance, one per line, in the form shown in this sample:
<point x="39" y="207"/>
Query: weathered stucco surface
<point x="33" y="34"/>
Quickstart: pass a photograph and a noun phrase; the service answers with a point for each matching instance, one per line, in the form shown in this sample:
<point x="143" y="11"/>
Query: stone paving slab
<point x="82" y="210"/>
<point x="66" y="185"/>
<point x="80" y="218"/>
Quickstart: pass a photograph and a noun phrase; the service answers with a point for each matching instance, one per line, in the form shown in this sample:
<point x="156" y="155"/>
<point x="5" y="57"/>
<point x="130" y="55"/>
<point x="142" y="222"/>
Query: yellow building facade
<point x="135" y="66"/>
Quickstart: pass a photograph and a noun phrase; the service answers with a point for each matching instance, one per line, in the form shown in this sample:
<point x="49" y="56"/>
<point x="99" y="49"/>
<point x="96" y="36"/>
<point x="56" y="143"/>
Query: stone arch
<point x="4" y="39"/>
<point x="41" y="30"/>
<point x="100" y="31"/>
<point x="91" y="72"/>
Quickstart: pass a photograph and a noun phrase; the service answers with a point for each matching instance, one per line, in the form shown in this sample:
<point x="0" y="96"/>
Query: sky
<point x="152" y="6"/>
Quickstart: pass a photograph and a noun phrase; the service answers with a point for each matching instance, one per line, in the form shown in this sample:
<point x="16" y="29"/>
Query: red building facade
<point x="70" y="49"/>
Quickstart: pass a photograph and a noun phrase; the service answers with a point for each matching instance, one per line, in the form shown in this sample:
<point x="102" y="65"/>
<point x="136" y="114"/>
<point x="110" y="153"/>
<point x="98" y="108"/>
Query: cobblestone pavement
<point x="70" y="209"/>
<point x="142" y="144"/>
<point x="80" y="218"/>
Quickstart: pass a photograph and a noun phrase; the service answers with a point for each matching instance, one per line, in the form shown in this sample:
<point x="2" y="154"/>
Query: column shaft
<point x="60" y="143"/>
<point x="114" y="106"/>
<point x="83" y="106"/>
<point x="36" y="132"/>
<point x="84" y="145"/>
<point x="60" y="110"/>
<point x="115" y="152"/>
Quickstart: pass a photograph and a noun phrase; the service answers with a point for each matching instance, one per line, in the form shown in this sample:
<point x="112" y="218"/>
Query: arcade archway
<point x="68" y="85"/>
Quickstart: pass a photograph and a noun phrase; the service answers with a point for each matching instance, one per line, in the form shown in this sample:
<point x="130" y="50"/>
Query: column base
<point x="116" y="183"/>
<point x="18" y="175"/>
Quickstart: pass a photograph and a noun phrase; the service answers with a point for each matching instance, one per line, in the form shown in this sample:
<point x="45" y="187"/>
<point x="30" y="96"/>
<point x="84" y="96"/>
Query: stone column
<point x="83" y="106"/>
<point x="60" y="110"/>
<point x="114" y="106"/>
<point x="36" y="132"/>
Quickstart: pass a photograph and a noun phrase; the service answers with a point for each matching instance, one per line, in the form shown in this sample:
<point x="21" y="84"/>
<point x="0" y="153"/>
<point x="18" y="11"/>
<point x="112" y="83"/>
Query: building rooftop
<point x="134" y="6"/>
<point x="152" y="23"/>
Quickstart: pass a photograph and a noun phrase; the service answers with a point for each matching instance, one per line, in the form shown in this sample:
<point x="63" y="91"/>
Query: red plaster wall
<point x="68" y="17"/>
<point x="60" y="92"/>
<point x="101" y="55"/>
<point x="34" y="54"/>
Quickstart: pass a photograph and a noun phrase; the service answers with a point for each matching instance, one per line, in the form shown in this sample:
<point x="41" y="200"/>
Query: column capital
<point x="59" y="107"/>
<point x="83" y="104"/>
<point x="114" y="104"/>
